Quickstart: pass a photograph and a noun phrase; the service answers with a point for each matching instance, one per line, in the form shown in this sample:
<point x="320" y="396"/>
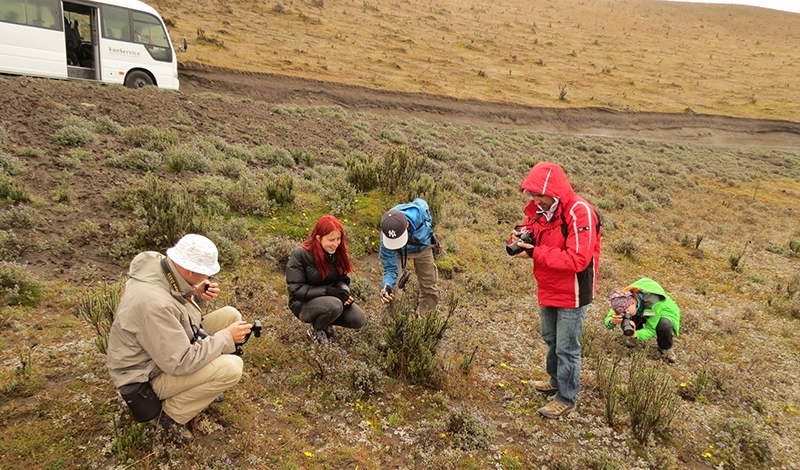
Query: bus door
<point x="80" y="34"/>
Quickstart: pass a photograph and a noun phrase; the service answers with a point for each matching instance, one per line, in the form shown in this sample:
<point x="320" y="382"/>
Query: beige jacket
<point x="153" y="327"/>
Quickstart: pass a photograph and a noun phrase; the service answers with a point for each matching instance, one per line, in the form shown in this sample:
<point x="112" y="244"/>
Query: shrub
<point x="608" y="380"/>
<point x="73" y="136"/>
<point x="11" y="165"/>
<point x="277" y="251"/>
<point x="394" y="136"/>
<point x="11" y="248"/>
<point x="412" y="340"/>
<point x="231" y="167"/>
<point x="279" y="189"/>
<point x="10" y="189"/>
<point x="651" y="402"/>
<point x="470" y="429"/>
<point x="743" y="444"/>
<point x="360" y="136"/>
<point x="20" y="217"/>
<point x="31" y="152"/>
<point x="106" y="125"/>
<point x="149" y="137"/>
<point x="425" y="188"/>
<point x="130" y="438"/>
<point x="625" y="247"/>
<point x="166" y="211"/>
<point x="63" y="193"/>
<point x="398" y="168"/>
<point x="18" y="286"/>
<point x="303" y="157"/>
<point x="137" y="160"/>
<point x="340" y="197"/>
<point x="270" y="155"/>
<point x="361" y="171"/>
<point x="97" y="306"/>
<point x="341" y="144"/>
<point x="364" y="380"/>
<point x="23" y="382"/>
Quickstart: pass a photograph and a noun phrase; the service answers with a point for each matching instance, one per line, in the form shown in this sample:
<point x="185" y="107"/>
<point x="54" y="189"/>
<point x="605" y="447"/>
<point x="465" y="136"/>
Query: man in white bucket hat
<point x="166" y="363"/>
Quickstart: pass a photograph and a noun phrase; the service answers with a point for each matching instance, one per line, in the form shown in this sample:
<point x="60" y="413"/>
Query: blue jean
<point x="561" y="331"/>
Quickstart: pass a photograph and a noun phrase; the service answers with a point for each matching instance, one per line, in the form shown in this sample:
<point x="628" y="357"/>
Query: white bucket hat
<point x="195" y="253"/>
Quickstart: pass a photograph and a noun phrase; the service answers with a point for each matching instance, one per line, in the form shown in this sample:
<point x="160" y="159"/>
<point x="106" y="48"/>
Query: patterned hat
<point x="621" y="300"/>
<point x="195" y="253"/>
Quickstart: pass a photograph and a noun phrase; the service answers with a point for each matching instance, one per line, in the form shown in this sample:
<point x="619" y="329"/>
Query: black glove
<point x="338" y="292"/>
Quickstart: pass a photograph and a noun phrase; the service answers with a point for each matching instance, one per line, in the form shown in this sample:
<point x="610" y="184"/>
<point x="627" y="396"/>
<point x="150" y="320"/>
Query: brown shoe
<point x="555" y="409"/>
<point x="668" y="354"/>
<point x="544" y="386"/>
<point x="178" y="432"/>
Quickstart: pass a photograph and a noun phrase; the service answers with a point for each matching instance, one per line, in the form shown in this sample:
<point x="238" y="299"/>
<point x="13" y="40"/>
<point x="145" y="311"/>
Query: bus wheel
<point x="138" y="80"/>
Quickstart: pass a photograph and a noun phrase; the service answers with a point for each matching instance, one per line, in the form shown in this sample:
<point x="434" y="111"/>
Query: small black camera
<point x="514" y="249"/>
<point x="255" y="330"/>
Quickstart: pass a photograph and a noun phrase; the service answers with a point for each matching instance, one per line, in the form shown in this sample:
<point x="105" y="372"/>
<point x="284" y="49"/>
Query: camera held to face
<point x="627" y="328"/>
<point x="514" y="249"/>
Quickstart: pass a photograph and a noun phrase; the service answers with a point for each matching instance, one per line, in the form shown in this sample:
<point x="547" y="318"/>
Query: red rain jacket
<point x="567" y="252"/>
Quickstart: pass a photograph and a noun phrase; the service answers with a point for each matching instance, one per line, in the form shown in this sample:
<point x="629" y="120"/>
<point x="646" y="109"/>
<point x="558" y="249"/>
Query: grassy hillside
<point x="85" y="167"/>
<point x="633" y="55"/>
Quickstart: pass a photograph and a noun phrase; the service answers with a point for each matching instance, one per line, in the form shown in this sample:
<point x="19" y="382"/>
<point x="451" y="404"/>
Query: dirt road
<point x="685" y="128"/>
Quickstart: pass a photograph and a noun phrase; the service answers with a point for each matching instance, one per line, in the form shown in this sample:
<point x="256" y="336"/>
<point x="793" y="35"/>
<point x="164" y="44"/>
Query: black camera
<point x="401" y="283"/>
<point x="627" y="328"/>
<point x="198" y="335"/>
<point x="514" y="249"/>
<point x="255" y="330"/>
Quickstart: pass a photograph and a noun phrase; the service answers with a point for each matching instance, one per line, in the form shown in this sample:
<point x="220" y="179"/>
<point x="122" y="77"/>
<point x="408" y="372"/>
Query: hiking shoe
<point x="631" y="342"/>
<point x="178" y="432"/>
<point x="317" y="335"/>
<point x="219" y="399"/>
<point x="544" y="386"/>
<point x="668" y="354"/>
<point x="555" y="409"/>
<point x="330" y="332"/>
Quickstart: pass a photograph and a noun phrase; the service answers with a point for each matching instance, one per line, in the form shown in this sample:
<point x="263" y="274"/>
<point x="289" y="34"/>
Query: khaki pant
<point x="186" y="396"/>
<point x="427" y="277"/>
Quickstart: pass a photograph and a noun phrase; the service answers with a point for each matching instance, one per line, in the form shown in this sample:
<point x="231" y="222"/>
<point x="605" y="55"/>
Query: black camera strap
<point x="174" y="283"/>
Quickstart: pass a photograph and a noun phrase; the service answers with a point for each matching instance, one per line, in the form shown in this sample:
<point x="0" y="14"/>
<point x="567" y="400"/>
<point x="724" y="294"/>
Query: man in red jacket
<point x="564" y="243"/>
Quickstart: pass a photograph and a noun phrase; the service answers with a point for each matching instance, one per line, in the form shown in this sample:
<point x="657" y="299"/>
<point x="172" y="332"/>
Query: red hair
<point x="325" y="225"/>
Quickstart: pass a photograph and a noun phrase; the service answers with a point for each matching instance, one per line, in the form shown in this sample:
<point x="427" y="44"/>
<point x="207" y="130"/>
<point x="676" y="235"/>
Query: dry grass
<point x="635" y="55"/>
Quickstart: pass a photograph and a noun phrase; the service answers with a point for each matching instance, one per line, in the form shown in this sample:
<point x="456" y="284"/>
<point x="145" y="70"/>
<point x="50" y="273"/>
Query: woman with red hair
<point x="318" y="282"/>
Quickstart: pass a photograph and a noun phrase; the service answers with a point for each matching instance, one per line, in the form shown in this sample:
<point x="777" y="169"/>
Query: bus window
<point x="116" y="23"/>
<point x="41" y="13"/>
<point x="149" y="31"/>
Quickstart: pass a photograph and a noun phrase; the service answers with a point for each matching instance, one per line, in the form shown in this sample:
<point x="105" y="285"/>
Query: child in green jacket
<point x="652" y="312"/>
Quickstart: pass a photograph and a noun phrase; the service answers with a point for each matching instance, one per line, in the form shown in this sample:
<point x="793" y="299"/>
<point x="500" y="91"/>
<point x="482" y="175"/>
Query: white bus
<point x="115" y="41"/>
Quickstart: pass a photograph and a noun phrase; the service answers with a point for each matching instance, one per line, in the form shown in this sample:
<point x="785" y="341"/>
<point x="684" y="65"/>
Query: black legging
<point x="328" y="310"/>
<point x="664" y="333"/>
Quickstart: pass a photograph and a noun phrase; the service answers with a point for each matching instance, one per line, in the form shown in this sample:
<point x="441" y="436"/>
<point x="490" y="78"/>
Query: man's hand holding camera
<point x="522" y="244"/>
<point x="207" y="290"/>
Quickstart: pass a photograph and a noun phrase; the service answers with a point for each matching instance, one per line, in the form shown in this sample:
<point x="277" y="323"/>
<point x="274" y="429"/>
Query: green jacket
<point x="665" y="308"/>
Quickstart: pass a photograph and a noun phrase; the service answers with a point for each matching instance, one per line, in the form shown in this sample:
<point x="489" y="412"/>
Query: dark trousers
<point x="664" y="333"/>
<point x="328" y="310"/>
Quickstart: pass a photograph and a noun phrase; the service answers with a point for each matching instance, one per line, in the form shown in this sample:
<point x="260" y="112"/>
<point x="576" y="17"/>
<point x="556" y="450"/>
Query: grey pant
<point x="427" y="275"/>
<point x="328" y="310"/>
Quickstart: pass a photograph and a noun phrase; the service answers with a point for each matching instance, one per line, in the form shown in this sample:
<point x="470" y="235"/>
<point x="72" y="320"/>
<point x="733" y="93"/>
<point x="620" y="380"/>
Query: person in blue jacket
<point x="407" y="234"/>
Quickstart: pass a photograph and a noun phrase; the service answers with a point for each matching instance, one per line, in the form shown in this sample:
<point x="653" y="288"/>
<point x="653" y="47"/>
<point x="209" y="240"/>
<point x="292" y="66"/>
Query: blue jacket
<point x="420" y="235"/>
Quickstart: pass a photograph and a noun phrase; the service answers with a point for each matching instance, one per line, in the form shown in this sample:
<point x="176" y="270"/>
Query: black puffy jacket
<point x="305" y="282"/>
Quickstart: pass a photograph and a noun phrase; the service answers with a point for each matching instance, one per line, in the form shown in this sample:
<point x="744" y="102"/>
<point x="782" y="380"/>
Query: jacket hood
<point x="548" y="179"/>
